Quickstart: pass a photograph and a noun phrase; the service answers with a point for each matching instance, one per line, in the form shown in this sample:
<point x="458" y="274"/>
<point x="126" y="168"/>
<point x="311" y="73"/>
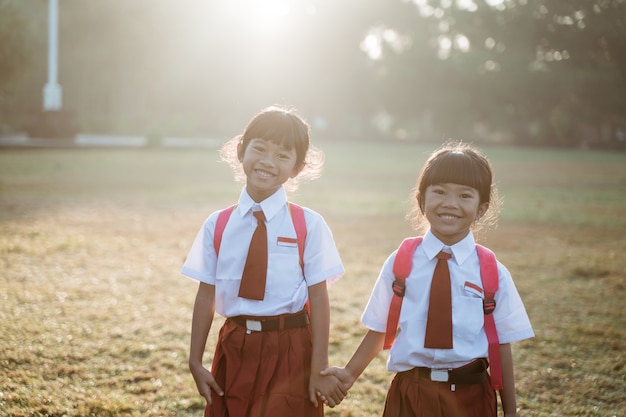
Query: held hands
<point x="341" y="381"/>
<point x="330" y="386"/>
<point x="205" y="382"/>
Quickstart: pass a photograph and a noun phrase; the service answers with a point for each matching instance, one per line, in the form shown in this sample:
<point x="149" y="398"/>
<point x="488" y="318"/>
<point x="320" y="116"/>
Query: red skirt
<point x="412" y="396"/>
<point x="263" y="373"/>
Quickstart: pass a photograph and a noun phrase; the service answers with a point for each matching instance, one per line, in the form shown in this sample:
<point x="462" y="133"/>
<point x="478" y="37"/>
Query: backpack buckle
<point x="398" y="288"/>
<point x="489" y="306"/>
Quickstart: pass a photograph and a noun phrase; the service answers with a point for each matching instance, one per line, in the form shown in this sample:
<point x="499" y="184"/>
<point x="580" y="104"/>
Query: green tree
<point x="544" y="71"/>
<point x="15" y="54"/>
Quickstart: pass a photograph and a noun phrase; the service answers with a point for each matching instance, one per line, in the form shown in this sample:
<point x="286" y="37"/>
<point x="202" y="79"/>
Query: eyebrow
<point x="463" y="186"/>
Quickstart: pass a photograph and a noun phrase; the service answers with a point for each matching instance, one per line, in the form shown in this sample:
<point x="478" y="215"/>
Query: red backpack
<point x="489" y="276"/>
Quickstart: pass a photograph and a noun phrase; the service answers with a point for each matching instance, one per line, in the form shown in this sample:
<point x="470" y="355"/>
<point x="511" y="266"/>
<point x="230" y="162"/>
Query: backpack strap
<point x="402" y="265"/>
<point x="489" y="277"/>
<point x="220" y="225"/>
<point x="299" y="223"/>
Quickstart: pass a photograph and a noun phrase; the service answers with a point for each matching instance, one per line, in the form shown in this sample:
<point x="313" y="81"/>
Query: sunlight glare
<point x="372" y="46"/>
<point x="461" y="42"/>
<point x="380" y="37"/>
<point x="468" y="5"/>
<point x="445" y="46"/>
<point x="425" y="9"/>
<point x="269" y="15"/>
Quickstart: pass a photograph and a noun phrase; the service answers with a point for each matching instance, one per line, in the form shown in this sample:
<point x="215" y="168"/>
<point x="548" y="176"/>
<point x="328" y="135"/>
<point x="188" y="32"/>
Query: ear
<point x="420" y="203"/>
<point x="297" y="170"/>
<point x="240" y="151"/>
<point x="482" y="209"/>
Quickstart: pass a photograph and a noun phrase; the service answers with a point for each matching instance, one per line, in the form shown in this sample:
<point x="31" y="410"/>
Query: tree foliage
<point x="538" y="71"/>
<point x="522" y="71"/>
<point x="15" y="54"/>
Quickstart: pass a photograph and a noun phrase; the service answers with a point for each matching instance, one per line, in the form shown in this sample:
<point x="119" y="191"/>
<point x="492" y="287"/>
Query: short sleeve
<point x="201" y="261"/>
<point x="376" y="311"/>
<point x="321" y="258"/>
<point x="511" y="318"/>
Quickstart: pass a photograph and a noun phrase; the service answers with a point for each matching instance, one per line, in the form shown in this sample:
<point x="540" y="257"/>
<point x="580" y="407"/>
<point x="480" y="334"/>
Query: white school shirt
<point x="468" y="333"/>
<point x="286" y="288"/>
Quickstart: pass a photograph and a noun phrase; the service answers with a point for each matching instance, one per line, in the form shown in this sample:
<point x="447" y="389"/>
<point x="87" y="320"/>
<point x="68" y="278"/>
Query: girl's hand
<point x="205" y="382"/>
<point x="328" y="388"/>
<point x="345" y="380"/>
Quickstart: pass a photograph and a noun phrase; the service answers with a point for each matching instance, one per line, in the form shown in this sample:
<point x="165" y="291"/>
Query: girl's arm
<point x="203" y="312"/>
<point x="320" y="323"/>
<point x="371" y="344"/>
<point x="507" y="395"/>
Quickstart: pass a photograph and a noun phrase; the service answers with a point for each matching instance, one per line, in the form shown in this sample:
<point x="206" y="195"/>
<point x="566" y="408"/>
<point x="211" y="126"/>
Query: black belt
<point x="473" y="373"/>
<point x="262" y="324"/>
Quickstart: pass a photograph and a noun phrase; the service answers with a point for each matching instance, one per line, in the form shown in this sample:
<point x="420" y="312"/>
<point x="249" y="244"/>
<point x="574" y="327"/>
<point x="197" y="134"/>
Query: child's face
<point x="451" y="209"/>
<point x="267" y="166"/>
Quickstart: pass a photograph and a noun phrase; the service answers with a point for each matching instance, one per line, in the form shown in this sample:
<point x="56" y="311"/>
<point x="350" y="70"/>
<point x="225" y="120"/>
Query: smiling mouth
<point x="448" y="217"/>
<point x="264" y="174"/>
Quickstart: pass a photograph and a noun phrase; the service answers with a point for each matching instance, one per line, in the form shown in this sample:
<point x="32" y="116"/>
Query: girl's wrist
<point x="194" y="363"/>
<point x="317" y="367"/>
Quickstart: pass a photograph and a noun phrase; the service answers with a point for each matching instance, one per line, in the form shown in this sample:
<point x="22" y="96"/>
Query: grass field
<point x="95" y="316"/>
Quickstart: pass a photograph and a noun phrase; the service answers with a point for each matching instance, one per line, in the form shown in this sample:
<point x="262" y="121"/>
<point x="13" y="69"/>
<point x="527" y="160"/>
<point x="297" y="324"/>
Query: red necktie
<point x="254" y="272"/>
<point x="439" y="324"/>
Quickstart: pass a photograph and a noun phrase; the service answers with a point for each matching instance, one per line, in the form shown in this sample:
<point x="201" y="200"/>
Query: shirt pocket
<point x="472" y="290"/>
<point x="286" y="242"/>
<point x="468" y="314"/>
<point x="285" y="271"/>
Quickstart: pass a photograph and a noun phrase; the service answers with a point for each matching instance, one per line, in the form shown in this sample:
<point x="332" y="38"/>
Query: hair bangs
<point x="459" y="168"/>
<point x="279" y="128"/>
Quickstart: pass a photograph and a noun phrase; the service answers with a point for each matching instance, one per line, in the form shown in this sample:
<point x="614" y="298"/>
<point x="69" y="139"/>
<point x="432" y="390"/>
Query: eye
<point x="469" y="193"/>
<point x="285" y="154"/>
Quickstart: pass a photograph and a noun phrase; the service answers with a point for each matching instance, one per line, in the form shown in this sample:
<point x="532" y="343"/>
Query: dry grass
<point x="95" y="316"/>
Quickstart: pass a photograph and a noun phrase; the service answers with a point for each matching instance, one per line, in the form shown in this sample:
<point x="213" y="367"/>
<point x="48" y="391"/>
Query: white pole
<point x="52" y="93"/>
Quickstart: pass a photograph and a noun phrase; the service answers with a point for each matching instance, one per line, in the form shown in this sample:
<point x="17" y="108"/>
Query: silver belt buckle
<point x="439" y="375"/>
<point x="254" y="325"/>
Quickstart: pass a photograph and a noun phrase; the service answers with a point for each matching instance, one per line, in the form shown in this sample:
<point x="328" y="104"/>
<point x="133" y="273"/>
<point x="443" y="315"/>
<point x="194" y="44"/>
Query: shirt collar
<point x="460" y="250"/>
<point x="270" y="206"/>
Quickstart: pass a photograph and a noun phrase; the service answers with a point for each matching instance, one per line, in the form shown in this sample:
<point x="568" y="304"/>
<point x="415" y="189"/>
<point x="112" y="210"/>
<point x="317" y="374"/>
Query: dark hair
<point x="281" y="126"/>
<point x="458" y="163"/>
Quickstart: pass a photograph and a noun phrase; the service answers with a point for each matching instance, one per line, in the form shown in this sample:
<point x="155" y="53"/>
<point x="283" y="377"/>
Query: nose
<point x="267" y="160"/>
<point x="450" y="200"/>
